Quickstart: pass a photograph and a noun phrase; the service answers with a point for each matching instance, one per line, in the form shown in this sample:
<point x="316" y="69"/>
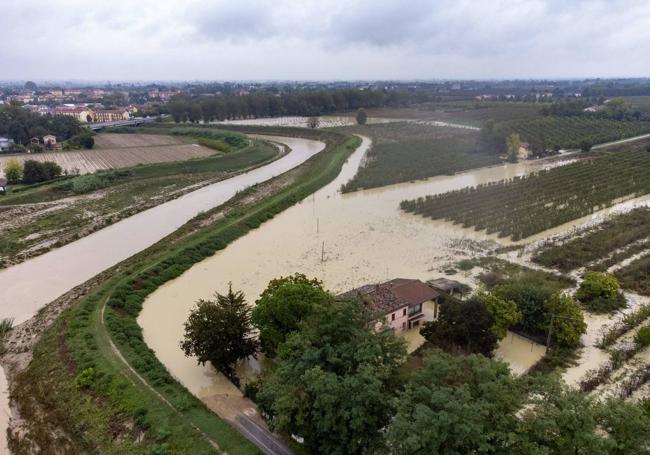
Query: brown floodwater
<point x="27" y="287"/>
<point x="30" y="285"/>
<point x="346" y="240"/>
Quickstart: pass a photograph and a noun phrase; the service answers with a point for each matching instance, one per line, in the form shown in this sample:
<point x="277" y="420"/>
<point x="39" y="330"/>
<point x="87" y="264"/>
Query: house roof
<point x="392" y="295"/>
<point x="445" y="284"/>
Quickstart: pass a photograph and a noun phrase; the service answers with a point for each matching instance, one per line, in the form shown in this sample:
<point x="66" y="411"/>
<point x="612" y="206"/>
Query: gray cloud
<point x="286" y="39"/>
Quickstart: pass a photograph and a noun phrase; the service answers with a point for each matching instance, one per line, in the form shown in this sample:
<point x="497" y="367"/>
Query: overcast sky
<point x="302" y="39"/>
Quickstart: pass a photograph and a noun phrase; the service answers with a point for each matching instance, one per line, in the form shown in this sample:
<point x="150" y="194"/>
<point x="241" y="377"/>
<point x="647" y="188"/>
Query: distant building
<point x="49" y="140"/>
<point x="83" y="114"/>
<point x="401" y="303"/>
<point x="111" y="115"/>
<point x="5" y="144"/>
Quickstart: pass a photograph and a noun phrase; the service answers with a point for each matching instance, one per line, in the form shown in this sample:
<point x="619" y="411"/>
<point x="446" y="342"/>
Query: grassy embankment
<point x="85" y="386"/>
<point x="71" y="208"/>
<point x="404" y="152"/>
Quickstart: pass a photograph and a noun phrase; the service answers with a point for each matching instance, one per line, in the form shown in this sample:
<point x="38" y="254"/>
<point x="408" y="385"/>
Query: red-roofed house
<point x="400" y="302"/>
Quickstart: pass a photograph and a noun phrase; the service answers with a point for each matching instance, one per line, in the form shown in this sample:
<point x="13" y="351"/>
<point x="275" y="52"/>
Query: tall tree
<point x="283" y="305"/>
<point x="513" y="144"/>
<point x="334" y="381"/>
<point x="219" y="331"/>
<point x="463" y="326"/>
<point x="361" y="117"/>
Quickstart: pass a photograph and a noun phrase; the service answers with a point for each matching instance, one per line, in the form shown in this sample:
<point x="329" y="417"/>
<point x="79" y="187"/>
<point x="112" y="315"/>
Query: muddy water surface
<point x="346" y="240"/>
<point x="28" y="286"/>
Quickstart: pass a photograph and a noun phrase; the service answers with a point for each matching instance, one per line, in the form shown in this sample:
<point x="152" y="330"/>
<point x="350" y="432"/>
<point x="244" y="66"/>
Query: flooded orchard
<point x="346" y="240"/>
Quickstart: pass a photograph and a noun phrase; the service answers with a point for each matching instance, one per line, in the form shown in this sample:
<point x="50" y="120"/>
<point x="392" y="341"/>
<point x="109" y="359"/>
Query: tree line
<point x="21" y="125"/>
<point x="261" y="104"/>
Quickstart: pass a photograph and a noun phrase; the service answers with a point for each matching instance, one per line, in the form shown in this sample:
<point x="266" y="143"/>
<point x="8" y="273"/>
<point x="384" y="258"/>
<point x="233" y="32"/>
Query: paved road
<point x="266" y="441"/>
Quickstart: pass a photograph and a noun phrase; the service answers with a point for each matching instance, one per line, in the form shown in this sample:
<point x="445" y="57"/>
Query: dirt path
<point x="133" y="373"/>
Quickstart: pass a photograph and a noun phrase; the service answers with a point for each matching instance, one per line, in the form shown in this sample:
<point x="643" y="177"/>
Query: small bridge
<point x="130" y="122"/>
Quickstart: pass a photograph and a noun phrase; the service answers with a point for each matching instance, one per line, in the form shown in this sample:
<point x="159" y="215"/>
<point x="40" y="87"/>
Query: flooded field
<point x="125" y="151"/>
<point x="325" y="121"/>
<point x="365" y="239"/>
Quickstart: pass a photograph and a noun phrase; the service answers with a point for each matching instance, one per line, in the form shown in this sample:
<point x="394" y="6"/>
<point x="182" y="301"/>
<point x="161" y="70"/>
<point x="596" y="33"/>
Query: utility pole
<point x="317" y="225"/>
<point x="322" y="252"/>
<point x="550" y="331"/>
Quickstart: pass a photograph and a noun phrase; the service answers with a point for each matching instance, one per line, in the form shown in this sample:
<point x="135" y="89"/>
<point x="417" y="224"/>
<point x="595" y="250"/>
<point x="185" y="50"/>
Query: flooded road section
<point x="346" y="240"/>
<point x="28" y="286"/>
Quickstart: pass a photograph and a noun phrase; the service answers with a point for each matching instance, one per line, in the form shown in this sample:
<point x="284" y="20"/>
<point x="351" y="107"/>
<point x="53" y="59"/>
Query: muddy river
<point x="346" y="240"/>
<point x="64" y="268"/>
<point x="29" y="286"/>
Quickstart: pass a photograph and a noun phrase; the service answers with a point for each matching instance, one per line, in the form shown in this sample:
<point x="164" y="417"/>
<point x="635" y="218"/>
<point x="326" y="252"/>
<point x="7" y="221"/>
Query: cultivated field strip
<point x="88" y="161"/>
<point x="569" y="132"/>
<point x="117" y="140"/>
<point x="603" y="246"/>
<point x="527" y="205"/>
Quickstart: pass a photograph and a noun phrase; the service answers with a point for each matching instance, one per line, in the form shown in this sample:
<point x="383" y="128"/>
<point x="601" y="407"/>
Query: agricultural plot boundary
<point x="523" y="206"/>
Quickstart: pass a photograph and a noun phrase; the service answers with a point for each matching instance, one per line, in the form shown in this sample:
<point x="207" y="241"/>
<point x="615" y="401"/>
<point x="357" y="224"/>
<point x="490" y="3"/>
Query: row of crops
<point x="609" y="243"/>
<point x="570" y="132"/>
<point x="523" y="206"/>
<point x="406" y="151"/>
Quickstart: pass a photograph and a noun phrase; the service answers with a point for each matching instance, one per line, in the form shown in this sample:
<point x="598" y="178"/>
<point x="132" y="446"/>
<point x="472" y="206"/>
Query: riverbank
<point x="79" y="326"/>
<point x="39" y="218"/>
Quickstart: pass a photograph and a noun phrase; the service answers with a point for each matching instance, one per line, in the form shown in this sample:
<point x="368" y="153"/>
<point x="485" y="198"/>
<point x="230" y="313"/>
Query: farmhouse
<point x="49" y="140"/>
<point x="401" y="303"/>
<point x="5" y="144"/>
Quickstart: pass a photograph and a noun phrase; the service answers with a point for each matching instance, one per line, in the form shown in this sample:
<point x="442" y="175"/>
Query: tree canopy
<point x="456" y="405"/>
<point x="21" y="125"/>
<point x="334" y="381"/>
<point x="462" y="326"/>
<point x="283" y="305"/>
<point x="600" y="292"/>
<point x="219" y="331"/>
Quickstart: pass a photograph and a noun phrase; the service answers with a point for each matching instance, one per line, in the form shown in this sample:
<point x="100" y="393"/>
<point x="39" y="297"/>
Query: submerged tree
<point x="361" y="117"/>
<point x="220" y="332"/>
<point x="463" y="326"/>
<point x="513" y="144"/>
<point x="313" y="122"/>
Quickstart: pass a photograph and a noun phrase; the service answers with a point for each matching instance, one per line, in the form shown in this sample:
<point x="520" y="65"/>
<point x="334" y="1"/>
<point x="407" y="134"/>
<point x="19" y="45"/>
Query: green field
<point x="628" y="233"/>
<point x="523" y="206"/>
<point x="89" y="391"/>
<point x="569" y="132"/>
<point x="404" y="152"/>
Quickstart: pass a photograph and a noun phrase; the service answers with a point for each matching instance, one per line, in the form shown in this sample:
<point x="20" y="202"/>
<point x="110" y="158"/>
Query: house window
<point x="415" y="309"/>
<point x="392" y="317"/>
<point x="404" y="313"/>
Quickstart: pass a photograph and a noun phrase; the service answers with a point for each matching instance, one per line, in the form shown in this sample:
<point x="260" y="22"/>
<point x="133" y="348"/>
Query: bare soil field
<point x="126" y="150"/>
<point x="114" y="140"/>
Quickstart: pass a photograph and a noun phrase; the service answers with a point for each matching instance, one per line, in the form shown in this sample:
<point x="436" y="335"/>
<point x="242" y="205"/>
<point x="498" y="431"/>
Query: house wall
<point x="399" y="324"/>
